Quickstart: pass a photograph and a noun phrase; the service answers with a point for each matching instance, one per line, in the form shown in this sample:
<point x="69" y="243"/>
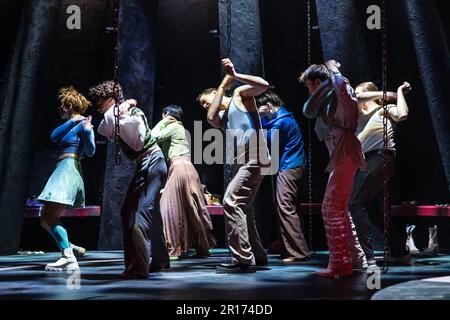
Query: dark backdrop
<point x="187" y="61"/>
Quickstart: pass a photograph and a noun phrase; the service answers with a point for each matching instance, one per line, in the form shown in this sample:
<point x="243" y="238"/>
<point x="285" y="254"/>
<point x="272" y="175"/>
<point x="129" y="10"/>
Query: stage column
<point x="20" y="105"/>
<point x="342" y="38"/>
<point x="137" y="77"/>
<point x="246" y="44"/>
<point x="247" y="55"/>
<point x="433" y="58"/>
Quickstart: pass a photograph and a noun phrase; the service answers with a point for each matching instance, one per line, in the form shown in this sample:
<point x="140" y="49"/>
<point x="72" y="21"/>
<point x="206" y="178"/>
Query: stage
<point x="23" y="277"/>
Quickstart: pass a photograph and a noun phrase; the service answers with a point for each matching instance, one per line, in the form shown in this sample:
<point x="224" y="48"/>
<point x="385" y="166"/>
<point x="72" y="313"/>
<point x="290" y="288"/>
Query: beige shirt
<point x="370" y="130"/>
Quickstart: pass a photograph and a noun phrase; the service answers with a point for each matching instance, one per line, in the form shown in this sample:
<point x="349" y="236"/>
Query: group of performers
<point x="159" y="229"/>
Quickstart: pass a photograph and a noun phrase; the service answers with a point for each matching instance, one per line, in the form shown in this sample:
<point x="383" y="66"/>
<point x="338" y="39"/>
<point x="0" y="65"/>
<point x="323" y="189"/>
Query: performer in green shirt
<point x="186" y="221"/>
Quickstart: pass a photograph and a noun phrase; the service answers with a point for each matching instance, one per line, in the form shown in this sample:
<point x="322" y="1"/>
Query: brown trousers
<point x="186" y="220"/>
<point x="288" y="207"/>
<point x="243" y="238"/>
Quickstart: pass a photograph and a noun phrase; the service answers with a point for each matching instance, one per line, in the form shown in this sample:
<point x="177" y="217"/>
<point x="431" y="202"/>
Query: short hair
<point x="269" y="96"/>
<point x="367" y="86"/>
<point x="314" y="72"/>
<point x="71" y="98"/>
<point x="174" y="111"/>
<point x="105" y="90"/>
<point x="205" y="92"/>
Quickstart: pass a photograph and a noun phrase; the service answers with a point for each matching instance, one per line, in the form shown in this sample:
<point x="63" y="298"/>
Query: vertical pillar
<point x="245" y="40"/>
<point x="433" y="58"/>
<point x="20" y="106"/>
<point x="342" y="38"/>
<point x="137" y="76"/>
<point x="247" y="55"/>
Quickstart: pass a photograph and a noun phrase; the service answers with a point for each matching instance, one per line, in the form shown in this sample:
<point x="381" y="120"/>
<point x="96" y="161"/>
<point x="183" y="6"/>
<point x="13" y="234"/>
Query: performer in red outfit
<point x="334" y="104"/>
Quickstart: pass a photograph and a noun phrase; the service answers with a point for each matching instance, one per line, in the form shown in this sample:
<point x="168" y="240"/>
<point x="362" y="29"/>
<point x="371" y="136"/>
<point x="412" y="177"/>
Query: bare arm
<point x="213" y="110"/>
<point x="400" y="113"/>
<point x="254" y="85"/>
<point x="376" y="95"/>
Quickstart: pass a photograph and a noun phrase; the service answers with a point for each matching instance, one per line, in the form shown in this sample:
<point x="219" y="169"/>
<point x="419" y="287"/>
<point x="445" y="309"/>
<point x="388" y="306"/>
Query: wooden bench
<point x="88" y="211"/>
<point x="217" y="210"/>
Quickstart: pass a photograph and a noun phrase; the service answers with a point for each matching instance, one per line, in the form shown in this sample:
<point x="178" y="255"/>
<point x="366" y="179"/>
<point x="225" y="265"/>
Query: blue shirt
<point x="292" y="153"/>
<point x="72" y="137"/>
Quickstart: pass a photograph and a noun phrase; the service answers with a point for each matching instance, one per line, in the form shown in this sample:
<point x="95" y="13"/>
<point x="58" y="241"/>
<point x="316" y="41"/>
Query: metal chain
<point x="117" y="156"/>
<point x="386" y="207"/>
<point x="227" y="167"/>
<point x="228" y="49"/>
<point x="310" y="125"/>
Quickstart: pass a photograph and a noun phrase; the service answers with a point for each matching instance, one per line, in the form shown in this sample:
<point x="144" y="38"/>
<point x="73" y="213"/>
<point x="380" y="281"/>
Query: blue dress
<point x="65" y="185"/>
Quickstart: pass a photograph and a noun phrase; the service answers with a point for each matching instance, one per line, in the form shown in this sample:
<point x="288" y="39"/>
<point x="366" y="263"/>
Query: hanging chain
<point x="227" y="167"/>
<point x="117" y="156"/>
<point x="386" y="205"/>
<point x="228" y="49"/>
<point x="309" y="31"/>
<point x="310" y="124"/>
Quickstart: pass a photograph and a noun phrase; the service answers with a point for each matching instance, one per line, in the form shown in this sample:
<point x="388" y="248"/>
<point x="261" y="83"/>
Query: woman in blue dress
<point x="65" y="187"/>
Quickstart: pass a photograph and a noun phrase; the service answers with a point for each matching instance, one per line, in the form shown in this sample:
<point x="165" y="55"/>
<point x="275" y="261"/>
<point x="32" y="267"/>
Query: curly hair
<point x="314" y="72"/>
<point x="105" y="90"/>
<point x="71" y="98"/>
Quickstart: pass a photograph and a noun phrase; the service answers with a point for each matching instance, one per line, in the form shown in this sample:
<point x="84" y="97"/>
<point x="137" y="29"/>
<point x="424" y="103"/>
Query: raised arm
<point x="254" y="86"/>
<point x="376" y="95"/>
<point x="213" y="110"/>
<point x="400" y="113"/>
<point x="106" y="126"/>
<point x="318" y="98"/>
<point x="88" y="137"/>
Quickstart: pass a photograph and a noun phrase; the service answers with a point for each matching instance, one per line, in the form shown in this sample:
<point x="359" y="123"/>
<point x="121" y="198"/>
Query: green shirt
<point x="171" y="137"/>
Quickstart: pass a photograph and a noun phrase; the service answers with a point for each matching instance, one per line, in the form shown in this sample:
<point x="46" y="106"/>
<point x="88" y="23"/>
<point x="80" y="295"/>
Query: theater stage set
<point x="168" y="52"/>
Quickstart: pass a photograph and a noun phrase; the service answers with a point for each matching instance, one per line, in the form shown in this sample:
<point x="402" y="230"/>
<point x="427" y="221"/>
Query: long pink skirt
<point x="187" y="223"/>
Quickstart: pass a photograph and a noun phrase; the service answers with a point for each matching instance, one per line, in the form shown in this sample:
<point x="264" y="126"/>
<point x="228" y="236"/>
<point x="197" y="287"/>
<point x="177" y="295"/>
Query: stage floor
<point x="23" y="277"/>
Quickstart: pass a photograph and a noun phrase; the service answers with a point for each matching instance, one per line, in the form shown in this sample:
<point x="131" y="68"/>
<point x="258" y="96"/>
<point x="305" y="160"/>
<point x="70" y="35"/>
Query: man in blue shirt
<point x="277" y="120"/>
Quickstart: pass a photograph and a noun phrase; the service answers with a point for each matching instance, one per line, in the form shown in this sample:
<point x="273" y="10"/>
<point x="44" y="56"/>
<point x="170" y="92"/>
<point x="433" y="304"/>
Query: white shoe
<point x="67" y="262"/>
<point x="410" y="241"/>
<point x="77" y="250"/>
